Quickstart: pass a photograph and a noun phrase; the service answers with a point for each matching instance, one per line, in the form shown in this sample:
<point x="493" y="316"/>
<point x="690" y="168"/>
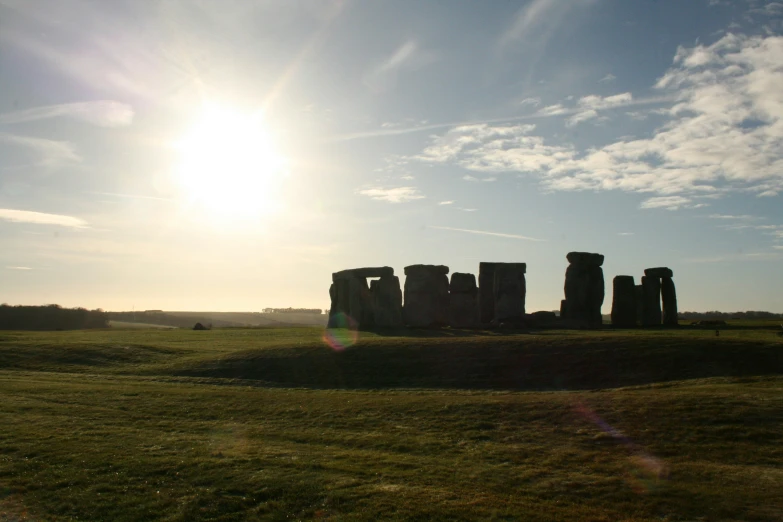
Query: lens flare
<point x="343" y="334"/>
<point x="646" y="472"/>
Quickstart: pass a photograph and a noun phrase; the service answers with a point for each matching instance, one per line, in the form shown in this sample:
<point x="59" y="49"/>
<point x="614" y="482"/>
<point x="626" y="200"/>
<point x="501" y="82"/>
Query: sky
<point x="229" y="156"/>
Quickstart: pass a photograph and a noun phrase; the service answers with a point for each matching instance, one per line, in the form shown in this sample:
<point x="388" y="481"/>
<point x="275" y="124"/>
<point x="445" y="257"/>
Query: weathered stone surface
<point x="584" y="290"/>
<point x="542" y="319"/>
<point x="669" y="296"/>
<point x="463" y="301"/>
<point x="586" y="258"/>
<point x="363" y="273"/>
<point x="353" y="302"/>
<point x="639" y="295"/>
<point x="486" y="292"/>
<point x="659" y="272"/>
<point x="387" y="301"/>
<point x="509" y="290"/>
<point x="429" y="269"/>
<point x="651" y="301"/>
<point x="623" y="301"/>
<point x="426" y="295"/>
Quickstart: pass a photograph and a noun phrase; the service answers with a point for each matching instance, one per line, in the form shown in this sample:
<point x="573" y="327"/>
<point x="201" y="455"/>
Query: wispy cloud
<point x="446" y="203"/>
<point x="103" y="113"/>
<point x="537" y="19"/>
<point x="40" y="218"/>
<point x="392" y="195"/>
<point x="132" y="196"/>
<point x="408" y="56"/>
<point x="609" y="78"/>
<point x="485" y="233"/>
<point x="625" y="233"/>
<point x="722" y="133"/>
<point x="18" y="268"/>
<point x="667" y="202"/>
<point x="51" y="153"/>
<point x="535" y="102"/>
<point x="743" y="217"/>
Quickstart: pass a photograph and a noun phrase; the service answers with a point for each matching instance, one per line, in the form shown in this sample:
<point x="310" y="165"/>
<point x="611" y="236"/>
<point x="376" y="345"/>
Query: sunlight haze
<point x="229" y="156"/>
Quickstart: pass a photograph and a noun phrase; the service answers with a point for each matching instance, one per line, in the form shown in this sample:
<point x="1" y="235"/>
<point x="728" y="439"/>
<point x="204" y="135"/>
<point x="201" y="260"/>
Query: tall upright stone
<point x="509" y="289"/>
<point x="639" y="296"/>
<point x="623" y="301"/>
<point x="651" y="303"/>
<point x="387" y="301"/>
<point x="584" y="290"/>
<point x="426" y="295"/>
<point x="669" y="298"/>
<point x="486" y="292"/>
<point x="463" y="301"/>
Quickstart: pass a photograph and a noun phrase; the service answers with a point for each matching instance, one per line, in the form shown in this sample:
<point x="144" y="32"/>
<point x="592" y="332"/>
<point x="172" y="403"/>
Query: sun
<point x="229" y="164"/>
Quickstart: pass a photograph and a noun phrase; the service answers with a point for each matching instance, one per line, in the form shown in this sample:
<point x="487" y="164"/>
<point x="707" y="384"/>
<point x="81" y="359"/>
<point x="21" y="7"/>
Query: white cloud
<point x="52" y="153"/>
<point x="730" y="216"/>
<point x="392" y="195"/>
<point x="446" y="203"/>
<point x="597" y="102"/>
<point x="485" y="233"/>
<point x="103" y="113"/>
<point x="40" y="218"/>
<point x="581" y="117"/>
<point x="724" y="132"/>
<point x="18" y="268"/>
<point x="625" y="233"/>
<point x="667" y="202"/>
<point x="535" y="102"/>
<point x="608" y="78"/>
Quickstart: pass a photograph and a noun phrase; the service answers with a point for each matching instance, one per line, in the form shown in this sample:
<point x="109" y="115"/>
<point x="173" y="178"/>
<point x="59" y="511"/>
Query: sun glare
<point x="229" y="164"/>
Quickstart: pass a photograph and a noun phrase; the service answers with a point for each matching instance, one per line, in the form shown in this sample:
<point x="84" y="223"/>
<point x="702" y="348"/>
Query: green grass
<point x="272" y="424"/>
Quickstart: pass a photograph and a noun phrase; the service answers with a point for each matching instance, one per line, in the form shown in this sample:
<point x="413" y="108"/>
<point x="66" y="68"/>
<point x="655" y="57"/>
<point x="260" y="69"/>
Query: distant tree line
<point x="750" y="315"/>
<point x="292" y="311"/>
<point x="50" y="317"/>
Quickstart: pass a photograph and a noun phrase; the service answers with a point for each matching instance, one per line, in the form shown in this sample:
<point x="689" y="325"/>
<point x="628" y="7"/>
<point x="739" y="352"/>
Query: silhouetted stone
<point x="509" y="291"/>
<point x="584" y="290"/>
<point x="486" y="292"/>
<point x="585" y="258"/>
<point x="354" y="303"/>
<point x="199" y="326"/>
<point x="623" y="301"/>
<point x="669" y="297"/>
<point x="659" y="272"/>
<point x="426" y="295"/>
<point x="387" y="301"/>
<point x="651" y="304"/>
<point x="463" y="301"/>
<point x="542" y="319"/>
<point x="639" y="296"/>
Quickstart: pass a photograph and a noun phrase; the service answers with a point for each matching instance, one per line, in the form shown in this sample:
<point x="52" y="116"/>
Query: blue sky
<point x="230" y="155"/>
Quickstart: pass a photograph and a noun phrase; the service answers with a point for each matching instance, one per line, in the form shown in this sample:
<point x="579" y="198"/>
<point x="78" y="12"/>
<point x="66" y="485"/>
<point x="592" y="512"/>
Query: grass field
<point x="285" y="424"/>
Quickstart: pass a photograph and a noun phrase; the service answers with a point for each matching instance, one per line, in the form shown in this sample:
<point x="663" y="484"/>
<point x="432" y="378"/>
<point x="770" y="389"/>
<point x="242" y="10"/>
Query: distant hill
<point x="184" y="319"/>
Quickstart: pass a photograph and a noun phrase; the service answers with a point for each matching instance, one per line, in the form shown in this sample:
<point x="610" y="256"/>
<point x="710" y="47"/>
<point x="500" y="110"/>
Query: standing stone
<point x="463" y="301"/>
<point x="562" y="309"/>
<point x="387" y="301"/>
<point x="669" y="296"/>
<point x="509" y="291"/>
<point x="639" y="296"/>
<point x="659" y="272"/>
<point x="426" y="295"/>
<point x="584" y="290"/>
<point x="623" y="301"/>
<point x="486" y="292"/>
<point x="352" y="300"/>
<point x="651" y="304"/>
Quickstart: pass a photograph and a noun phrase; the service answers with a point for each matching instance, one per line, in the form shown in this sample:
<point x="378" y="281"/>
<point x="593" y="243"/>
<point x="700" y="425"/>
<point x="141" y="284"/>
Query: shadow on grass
<point x="494" y="361"/>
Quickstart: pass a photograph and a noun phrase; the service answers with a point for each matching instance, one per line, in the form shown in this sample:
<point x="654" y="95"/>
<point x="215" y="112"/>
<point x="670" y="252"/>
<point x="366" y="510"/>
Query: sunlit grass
<point x="136" y="425"/>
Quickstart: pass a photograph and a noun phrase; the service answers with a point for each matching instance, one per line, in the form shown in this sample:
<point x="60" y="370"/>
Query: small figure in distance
<point x="717" y="333"/>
